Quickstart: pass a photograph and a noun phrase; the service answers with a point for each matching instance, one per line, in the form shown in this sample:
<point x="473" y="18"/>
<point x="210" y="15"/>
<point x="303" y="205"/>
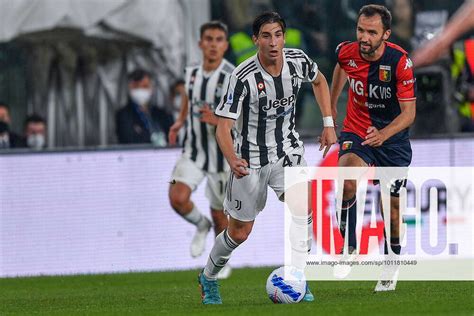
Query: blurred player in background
<point x="201" y="156"/>
<point x="380" y="108"/>
<point x="260" y="104"/>
<point x="460" y="23"/>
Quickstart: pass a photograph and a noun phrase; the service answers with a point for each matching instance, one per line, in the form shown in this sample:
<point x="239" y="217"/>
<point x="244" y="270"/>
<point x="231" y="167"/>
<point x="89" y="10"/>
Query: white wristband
<point x="328" y="121"/>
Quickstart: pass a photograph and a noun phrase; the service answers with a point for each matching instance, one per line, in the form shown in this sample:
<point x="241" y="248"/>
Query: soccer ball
<point x="287" y="290"/>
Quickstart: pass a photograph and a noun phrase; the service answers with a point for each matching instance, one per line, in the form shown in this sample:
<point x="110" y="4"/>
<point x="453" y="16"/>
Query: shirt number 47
<point x="288" y="162"/>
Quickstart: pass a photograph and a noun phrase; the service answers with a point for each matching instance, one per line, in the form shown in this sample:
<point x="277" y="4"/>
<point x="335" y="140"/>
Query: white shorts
<point x="188" y="173"/>
<point x="246" y="197"/>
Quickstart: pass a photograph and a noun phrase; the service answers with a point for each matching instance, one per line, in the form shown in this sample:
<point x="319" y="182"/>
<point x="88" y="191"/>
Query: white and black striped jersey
<point x="200" y="139"/>
<point x="264" y="107"/>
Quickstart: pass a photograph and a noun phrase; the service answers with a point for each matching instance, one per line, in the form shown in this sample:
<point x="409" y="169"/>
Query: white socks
<point x="301" y="237"/>
<point x="197" y="219"/>
<point x="220" y="254"/>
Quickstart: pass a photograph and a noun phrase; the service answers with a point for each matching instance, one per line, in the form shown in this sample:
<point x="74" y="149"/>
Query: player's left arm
<point x="406" y="99"/>
<point x="323" y="98"/>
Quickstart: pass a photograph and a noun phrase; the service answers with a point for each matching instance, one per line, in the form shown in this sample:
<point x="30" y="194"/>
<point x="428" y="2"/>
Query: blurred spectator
<point x="239" y="15"/>
<point x="402" y="28"/>
<point x="140" y="121"/>
<point x="307" y="17"/>
<point x="4" y="113"/>
<point x="35" y="132"/>
<point x="9" y="137"/>
<point x="460" y="23"/>
<point x="4" y="135"/>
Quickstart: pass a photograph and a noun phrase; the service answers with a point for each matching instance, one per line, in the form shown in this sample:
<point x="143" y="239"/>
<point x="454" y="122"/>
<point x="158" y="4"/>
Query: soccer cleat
<point x="209" y="290"/>
<point x="344" y="267"/>
<point x="308" y="296"/>
<point x="198" y="244"/>
<point x="225" y="272"/>
<point x="384" y="286"/>
<point x="388" y="279"/>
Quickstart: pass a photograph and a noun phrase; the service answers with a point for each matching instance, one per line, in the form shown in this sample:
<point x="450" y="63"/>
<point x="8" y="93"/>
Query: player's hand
<point x="207" y="115"/>
<point x="327" y="139"/>
<point x="173" y="133"/>
<point x="239" y="167"/>
<point x="374" y="138"/>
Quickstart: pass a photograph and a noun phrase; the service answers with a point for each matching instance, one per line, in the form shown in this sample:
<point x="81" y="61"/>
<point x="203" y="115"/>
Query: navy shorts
<point x="387" y="155"/>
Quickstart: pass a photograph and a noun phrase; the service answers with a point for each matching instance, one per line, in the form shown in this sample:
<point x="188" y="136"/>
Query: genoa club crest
<point x="385" y="73"/>
<point x="346" y="145"/>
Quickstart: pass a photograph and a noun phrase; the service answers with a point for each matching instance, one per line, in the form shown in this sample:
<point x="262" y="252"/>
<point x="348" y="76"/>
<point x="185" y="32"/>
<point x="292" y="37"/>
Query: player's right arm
<point x="339" y="79"/>
<point x="228" y="111"/>
<point x="226" y="144"/>
<point x="183" y="113"/>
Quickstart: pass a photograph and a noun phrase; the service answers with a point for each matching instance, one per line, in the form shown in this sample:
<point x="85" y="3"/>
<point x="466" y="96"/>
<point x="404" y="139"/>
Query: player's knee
<point x="239" y="235"/>
<point x="178" y="201"/>
<point x="350" y="188"/>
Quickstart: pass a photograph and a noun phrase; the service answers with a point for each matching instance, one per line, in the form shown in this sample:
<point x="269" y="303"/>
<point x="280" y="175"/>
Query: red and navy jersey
<point x="376" y="88"/>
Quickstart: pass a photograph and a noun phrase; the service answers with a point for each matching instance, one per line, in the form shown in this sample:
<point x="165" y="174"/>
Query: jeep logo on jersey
<point x="374" y="91"/>
<point x="281" y="102"/>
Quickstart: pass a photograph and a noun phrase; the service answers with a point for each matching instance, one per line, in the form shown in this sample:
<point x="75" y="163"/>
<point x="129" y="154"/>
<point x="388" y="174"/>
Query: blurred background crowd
<point x="73" y="72"/>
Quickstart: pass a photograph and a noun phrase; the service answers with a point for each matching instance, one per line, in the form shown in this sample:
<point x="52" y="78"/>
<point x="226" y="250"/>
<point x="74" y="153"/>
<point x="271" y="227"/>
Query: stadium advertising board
<point x="108" y="211"/>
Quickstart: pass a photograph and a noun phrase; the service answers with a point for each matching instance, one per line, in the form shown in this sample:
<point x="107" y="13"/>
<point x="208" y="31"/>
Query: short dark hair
<point x="373" y="9"/>
<point x="138" y="75"/>
<point x="214" y="25"/>
<point x="267" y="17"/>
<point x="34" y="118"/>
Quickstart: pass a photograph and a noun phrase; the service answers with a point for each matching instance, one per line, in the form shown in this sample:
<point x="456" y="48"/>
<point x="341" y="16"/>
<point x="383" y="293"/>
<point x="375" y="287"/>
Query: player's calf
<point x="219" y="218"/>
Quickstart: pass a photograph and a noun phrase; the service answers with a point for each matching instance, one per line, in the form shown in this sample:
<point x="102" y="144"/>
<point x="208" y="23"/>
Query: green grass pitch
<point x="177" y="293"/>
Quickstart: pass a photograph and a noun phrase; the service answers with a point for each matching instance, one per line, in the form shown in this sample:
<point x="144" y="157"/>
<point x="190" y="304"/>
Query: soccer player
<point x="201" y="156"/>
<point x="380" y="108"/>
<point x="260" y="105"/>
